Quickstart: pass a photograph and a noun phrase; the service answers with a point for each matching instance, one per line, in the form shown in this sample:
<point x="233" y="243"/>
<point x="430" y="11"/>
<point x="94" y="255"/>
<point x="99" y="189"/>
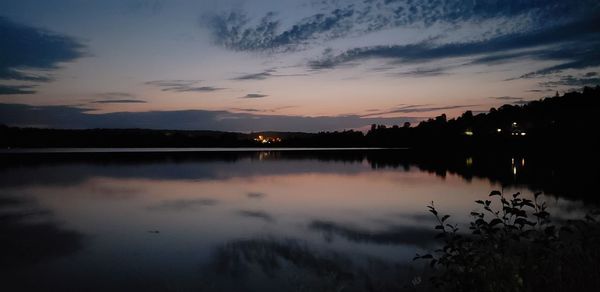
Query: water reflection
<point x="565" y="175"/>
<point x="192" y="221"/>
<point x="291" y="265"/>
<point x="401" y="235"/>
<point x="30" y="234"/>
<point x="30" y="237"/>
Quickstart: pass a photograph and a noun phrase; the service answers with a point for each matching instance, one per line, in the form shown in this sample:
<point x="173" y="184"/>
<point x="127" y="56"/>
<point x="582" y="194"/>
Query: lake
<point x="246" y="220"/>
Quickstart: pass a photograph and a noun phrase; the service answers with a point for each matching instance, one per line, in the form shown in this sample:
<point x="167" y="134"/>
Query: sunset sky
<point x="294" y="65"/>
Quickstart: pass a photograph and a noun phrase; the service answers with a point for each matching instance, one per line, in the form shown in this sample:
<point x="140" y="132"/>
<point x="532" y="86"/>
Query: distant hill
<point x="571" y="120"/>
<point x="568" y="121"/>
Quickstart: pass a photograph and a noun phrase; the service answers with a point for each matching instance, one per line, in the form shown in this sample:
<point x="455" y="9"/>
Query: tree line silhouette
<point x="570" y="121"/>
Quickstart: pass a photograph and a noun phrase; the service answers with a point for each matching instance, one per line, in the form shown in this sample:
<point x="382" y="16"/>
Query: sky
<point x="293" y="65"/>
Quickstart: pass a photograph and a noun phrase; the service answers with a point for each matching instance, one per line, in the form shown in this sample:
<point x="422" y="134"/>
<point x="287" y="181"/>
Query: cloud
<point x="255" y="195"/>
<point x="539" y="90"/>
<point x="120" y="101"/>
<point x="422" y="72"/>
<point x="263" y="75"/>
<point x="25" y="48"/>
<point x="575" y="43"/>
<point x="256" y="110"/>
<point x="505" y="97"/>
<point x="182" y="204"/>
<point x="16" y="89"/>
<point x="116" y="95"/>
<point x="236" y="30"/>
<point x="416" y="109"/>
<point x="182" y="86"/>
<point x="139" y="6"/>
<point x="256" y="76"/>
<point x="254" y="95"/>
<point x="576" y="55"/>
<point x="569" y="80"/>
<point x="69" y="117"/>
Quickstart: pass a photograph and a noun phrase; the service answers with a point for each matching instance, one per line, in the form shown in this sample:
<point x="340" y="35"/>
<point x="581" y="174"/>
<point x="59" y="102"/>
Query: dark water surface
<point x="245" y="220"/>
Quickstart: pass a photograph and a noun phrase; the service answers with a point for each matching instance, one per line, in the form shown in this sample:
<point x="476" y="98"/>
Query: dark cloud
<point x="422" y="72"/>
<point x="539" y="90"/>
<point x="505" y="97"/>
<point x="416" y="108"/>
<point x="256" y="110"/>
<point x="569" y="80"/>
<point x="234" y="30"/>
<point x="81" y="118"/>
<point x="182" y="204"/>
<point x="19" y="75"/>
<point x="120" y="101"/>
<point x="255" y="195"/>
<point x="28" y="48"/>
<point x="254" y="95"/>
<point x="429" y="12"/>
<point x="137" y="6"/>
<point x="182" y="86"/>
<point x="116" y="95"/>
<point x="576" y="55"/>
<point x="248" y="110"/>
<point x="256" y="76"/>
<point x="16" y="89"/>
<point x="263" y="75"/>
<point x="575" y="43"/>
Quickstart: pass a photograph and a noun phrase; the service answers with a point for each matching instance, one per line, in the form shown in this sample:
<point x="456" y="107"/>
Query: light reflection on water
<point x="190" y="224"/>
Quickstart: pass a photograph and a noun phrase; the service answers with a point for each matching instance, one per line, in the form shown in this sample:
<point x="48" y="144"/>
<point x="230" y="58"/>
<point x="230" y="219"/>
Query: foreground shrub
<point x="514" y="246"/>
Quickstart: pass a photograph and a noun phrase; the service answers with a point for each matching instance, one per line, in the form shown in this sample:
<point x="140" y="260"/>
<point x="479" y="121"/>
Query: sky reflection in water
<point x="167" y="224"/>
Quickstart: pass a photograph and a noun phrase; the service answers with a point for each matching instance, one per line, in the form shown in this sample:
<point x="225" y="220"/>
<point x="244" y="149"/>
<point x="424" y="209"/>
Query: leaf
<point x="495" y="193"/>
<point x="516" y="194"/>
<point x="445" y="217"/>
<point x="541" y="214"/>
<point x="526" y="202"/>
<point x="566" y="229"/>
<point x="523" y="221"/>
<point x="550" y="230"/>
<point x="432" y="263"/>
<point x="479" y="202"/>
<point x="495" y="221"/>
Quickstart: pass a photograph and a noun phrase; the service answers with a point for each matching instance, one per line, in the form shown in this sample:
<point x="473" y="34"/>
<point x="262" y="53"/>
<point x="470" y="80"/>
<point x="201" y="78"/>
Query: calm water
<point x="237" y="221"/>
